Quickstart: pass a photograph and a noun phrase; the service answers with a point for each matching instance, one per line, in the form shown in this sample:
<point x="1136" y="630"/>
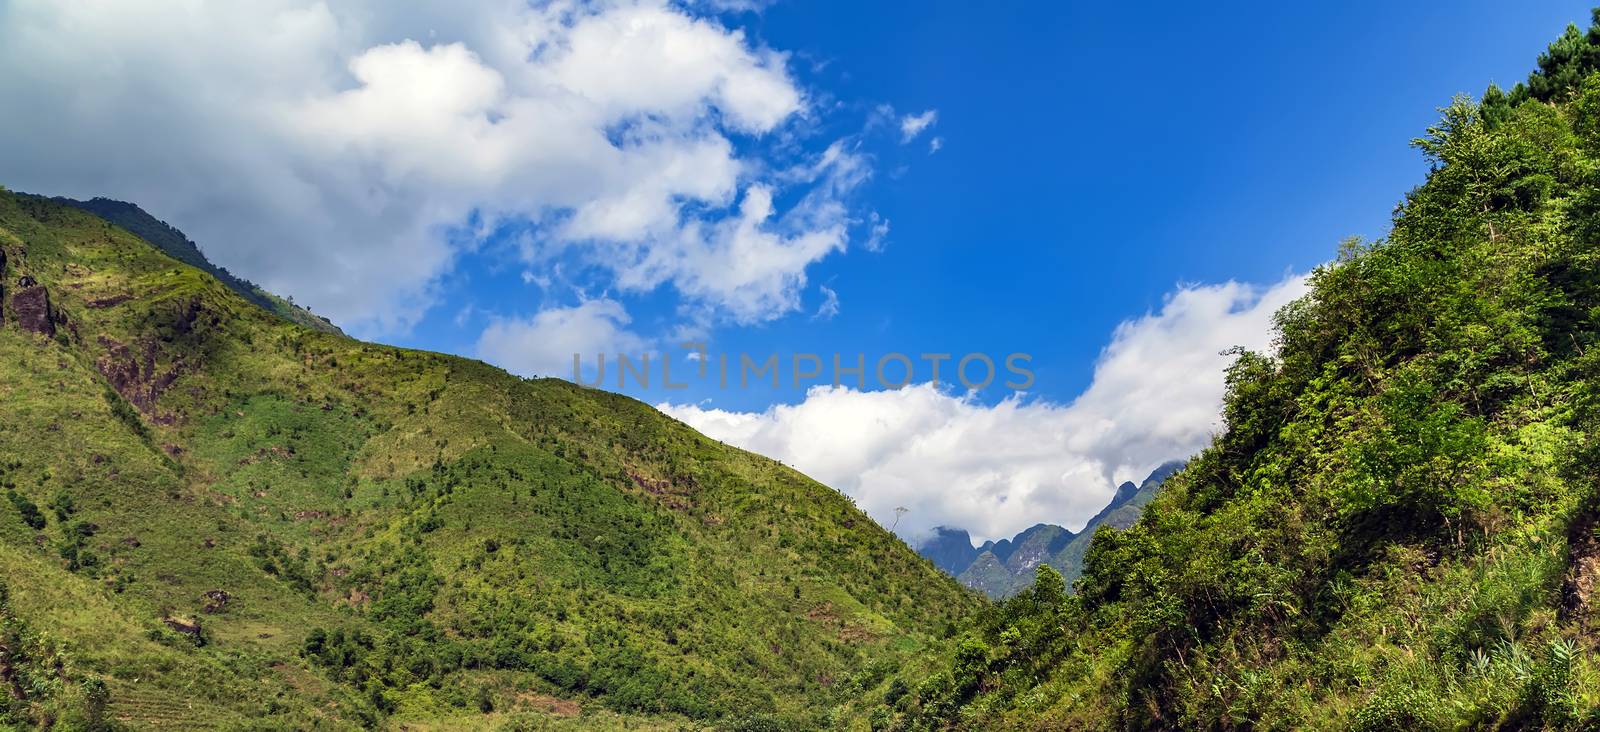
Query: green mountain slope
<point x="1397" y="531"/>
<point x="216" y="518"/>
<point x="174" y="244"/>
<point x="989" y="575"/>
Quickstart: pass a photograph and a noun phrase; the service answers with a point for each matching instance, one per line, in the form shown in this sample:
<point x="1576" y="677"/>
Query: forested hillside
<point x="1397" y="529"/>
<point x="216" y="518"/>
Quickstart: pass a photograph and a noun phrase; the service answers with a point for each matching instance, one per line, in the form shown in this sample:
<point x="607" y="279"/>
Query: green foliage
<point x="125" y="413"/>
<point x="26" y="509"/>
<point x="40" y="685"/>
<point x="1403" y="710"/>
<point x="63" y="506"/>
<point x="1572" y="58"/>
<point x="1049" y="588"/>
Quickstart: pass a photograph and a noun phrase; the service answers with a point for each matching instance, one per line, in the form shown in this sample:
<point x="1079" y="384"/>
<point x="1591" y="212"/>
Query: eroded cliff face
<point x="136" y="372"/>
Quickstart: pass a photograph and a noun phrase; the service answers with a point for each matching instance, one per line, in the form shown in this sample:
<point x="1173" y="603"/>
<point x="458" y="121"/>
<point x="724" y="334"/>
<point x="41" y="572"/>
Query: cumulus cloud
<point x="334" y="150"/>
<point x="544" y="344"/>
<point x="913" y="125"/>
<point x="997" y="469"/>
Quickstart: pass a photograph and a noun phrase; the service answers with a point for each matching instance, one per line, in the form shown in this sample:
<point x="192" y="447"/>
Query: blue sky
<point x="1094" y="157"/>
<point x="1120" y="191"/>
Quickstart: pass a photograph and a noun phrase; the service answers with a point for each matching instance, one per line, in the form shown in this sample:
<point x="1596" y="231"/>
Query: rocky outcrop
<point x="676" y="493"/>
<point x="187" y="316"/>
<point x="185" y="626"/>
<point x="30" y="308"/>
<point x="216" y="601"/>
<point x="1034" y="547"/>
<point x="109" y="302"/>
<point x="134" y="372"/>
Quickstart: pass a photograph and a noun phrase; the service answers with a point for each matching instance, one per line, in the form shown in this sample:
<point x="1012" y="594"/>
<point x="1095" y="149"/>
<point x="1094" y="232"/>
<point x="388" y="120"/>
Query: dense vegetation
<point x="1397" y="531"/>
<point x="215" y="517"/>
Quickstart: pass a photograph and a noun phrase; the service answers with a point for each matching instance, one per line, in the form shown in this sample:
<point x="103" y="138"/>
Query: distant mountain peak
<point x="1124" y="492"/>
<point x="1001" y="568"/>
<point x="949" y="549"/>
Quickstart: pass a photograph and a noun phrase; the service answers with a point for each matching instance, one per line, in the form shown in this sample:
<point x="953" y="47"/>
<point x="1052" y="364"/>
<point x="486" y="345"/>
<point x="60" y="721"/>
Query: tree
<point x="27" y="509"/>
<point x="1049" y="588"/>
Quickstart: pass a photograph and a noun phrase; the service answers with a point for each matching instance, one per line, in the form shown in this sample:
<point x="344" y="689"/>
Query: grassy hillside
<point x="217" y="518"/>
<point x="174" y="244"/>
<point x="1397" y="531"/>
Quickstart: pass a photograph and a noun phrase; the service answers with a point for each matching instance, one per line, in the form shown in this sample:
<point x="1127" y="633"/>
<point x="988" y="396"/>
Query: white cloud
<point x="997" y="469"/>
<point x="325" y="148"/>
<point x="633" y="59"/>
<point x="935" y="145"/>
<point x="829" y="306"/>
<point x="544" y="344"/>
<point x="737" y="6"/>
<point x="912" y="125"/>
<point x="879" y="228"/>
<point x="752" y="264"/>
